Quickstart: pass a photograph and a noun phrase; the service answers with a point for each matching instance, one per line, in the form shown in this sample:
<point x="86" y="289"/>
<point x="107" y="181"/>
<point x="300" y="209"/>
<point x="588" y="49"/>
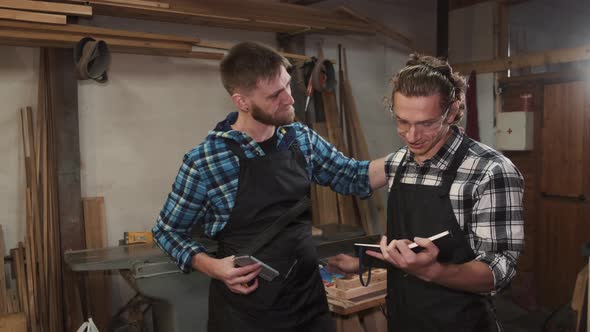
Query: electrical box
<point x="514" y="131"/>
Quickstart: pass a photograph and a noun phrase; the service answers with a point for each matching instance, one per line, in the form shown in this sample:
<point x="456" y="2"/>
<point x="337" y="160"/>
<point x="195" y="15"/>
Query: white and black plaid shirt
<point x="486" y="194"/>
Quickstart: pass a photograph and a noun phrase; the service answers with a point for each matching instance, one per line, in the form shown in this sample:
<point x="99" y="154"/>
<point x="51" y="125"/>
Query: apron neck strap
<point x="451" y="172"/>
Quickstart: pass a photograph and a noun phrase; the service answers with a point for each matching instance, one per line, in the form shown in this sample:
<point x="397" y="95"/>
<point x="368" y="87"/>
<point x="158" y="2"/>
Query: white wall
<point x="18" y="89"/>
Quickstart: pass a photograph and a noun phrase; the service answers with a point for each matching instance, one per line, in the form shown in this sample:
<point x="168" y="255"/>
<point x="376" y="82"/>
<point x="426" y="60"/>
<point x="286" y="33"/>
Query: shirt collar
<point x="223" y="129"/>
<point x="444" y="156"/>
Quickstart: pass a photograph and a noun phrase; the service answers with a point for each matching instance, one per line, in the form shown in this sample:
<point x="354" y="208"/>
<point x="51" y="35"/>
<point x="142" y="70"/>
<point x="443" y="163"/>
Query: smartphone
<point x="267" y="273"/>
<point x="414" y="246"/>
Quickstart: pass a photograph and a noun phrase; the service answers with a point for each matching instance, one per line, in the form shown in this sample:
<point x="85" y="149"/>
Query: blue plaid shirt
<point x="205" y="188"/>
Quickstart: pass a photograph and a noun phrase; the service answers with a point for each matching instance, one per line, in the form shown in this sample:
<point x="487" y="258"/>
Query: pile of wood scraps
<point x="358" y="308"/>
<point x="41" y="11"/>
<point x="347" y="295"/>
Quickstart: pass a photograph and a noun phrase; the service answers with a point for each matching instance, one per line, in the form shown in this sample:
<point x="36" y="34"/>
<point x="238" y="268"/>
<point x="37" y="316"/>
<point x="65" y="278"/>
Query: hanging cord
<point x="361" y="253"/>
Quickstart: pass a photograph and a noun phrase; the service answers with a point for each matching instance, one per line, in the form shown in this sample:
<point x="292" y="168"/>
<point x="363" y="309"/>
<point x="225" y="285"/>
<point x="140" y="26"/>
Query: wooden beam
<point x="47" y="7"/>
<point x="379" y="27"/>
<point x="19" y="15"/>
<point x="64" y="102"/>
<point x="97" y="31"/>
<point x="526" y="60"/>
<point x="301" y="2"/>
<point x="458" y="4"/>
<point x="119" y="41"/>
<point x="143" y="3"/>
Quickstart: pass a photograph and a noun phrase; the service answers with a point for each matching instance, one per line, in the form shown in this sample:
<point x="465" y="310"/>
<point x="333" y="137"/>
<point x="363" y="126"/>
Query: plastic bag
<point x="88" y="326"/>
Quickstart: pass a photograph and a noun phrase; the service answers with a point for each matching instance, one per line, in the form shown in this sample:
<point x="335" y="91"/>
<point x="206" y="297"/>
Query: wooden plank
<point x="347" y="307"/>
<point x="250" y="14"/>
<point x="227" y="46"/>
<point x="32" y="206"/>
<point x="98" y="285"/>
<point x="3" y="295"/>
<point x="36" y="225"/>
<point x="83" y="30"/>
<point x="114" y="43"/>
<point x="47" y="7"/>
<point x="579" y="296"/>
<point x="569" y="127"/>
<point x="360" y="150"/>
<point x="564" y="223"/>
<point x="56" y="294"/>
<point x="346" y="207"/>
<point x="351" y="293"/>
<point x="94" y="222"/>
<point x="64" y="103"/>
<point x="142" y="3"/>
<point x="13" y="322"/>
<point x="526" y="60"/>
<point x="326" y="204"/>
<point x="40" y="39"/>
<point x="18" y="15"/>
<point x="21" y="278"/>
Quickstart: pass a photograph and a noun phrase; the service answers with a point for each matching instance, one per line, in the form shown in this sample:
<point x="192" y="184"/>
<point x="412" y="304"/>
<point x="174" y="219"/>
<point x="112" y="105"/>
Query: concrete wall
<point x="18" y="89"/>
<point x="471" y="38"/>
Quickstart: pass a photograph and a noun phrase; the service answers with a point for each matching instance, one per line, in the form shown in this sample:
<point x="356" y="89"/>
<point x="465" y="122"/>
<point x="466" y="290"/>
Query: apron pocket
<point x="264" y="298"/>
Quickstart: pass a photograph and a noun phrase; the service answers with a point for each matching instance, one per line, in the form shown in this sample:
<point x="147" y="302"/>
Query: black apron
<point x="295" y="300"/>
<point x="417" y="305"/>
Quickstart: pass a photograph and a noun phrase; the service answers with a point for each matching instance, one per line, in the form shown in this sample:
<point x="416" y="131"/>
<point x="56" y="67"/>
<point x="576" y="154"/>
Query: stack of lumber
<point x="41" y="11"/>
<point x="13" y="290"/>
<point x="66" y="36"/>
<point x="343" y="129"/>
<point x="119" y="41"/>
<point x="38" y="260"/>
<point x="236" y="14"/>
<point x="11" y="279"/>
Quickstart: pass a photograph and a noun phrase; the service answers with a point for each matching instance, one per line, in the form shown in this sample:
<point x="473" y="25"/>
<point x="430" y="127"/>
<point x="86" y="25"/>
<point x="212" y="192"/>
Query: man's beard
<point x="282" y="117"/>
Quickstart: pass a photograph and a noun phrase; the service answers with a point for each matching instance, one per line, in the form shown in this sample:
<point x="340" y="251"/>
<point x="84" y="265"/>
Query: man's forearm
<point x="474" y="277"/>
<point x="203" y="263"/>
<point x="377" y="177"/>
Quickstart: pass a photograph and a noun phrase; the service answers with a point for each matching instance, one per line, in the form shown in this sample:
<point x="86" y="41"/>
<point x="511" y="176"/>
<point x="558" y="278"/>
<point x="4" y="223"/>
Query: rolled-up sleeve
<point x="498" y="221"/>
<point x="182" y="210"/>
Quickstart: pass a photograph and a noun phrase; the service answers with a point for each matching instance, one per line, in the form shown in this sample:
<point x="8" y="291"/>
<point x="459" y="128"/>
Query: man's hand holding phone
<point x="239" y="279"/>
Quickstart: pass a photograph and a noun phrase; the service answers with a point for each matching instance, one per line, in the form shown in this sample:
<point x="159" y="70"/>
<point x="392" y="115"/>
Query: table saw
<point x="180" y="300"/>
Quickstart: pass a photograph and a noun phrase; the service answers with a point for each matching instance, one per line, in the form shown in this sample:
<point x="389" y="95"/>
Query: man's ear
<point x="453" y="112"/>
<point x="241" y="102"/>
